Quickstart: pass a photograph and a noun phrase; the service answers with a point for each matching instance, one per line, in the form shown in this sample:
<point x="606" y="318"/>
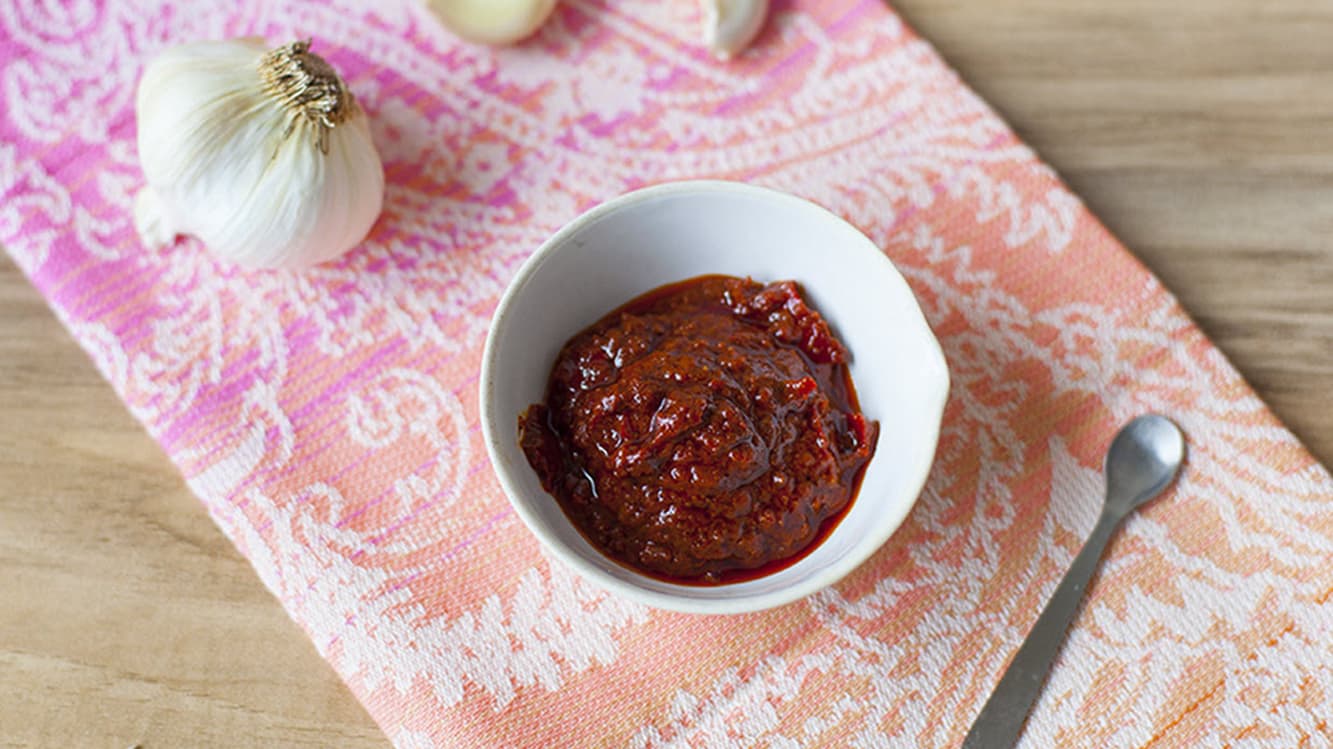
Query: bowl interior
<point x="672" y="232"/>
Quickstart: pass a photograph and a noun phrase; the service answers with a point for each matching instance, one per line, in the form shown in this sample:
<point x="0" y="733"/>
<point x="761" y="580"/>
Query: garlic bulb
<point x="492" y="21"/>
<point x="730" y="25"/>
<point x="264" y="155"/>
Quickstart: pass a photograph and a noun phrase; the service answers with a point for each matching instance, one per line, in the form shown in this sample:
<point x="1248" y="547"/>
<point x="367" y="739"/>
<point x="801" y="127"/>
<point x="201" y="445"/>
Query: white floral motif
<point x="402" y="134"/>
<point x="28" y="193"/>
<point x="403" y="403"/>
<point x="405" y="739"/>
<point x="736" y="712"/>
<point x="552" y="623"/>
<point x="1076" y="491"/>
<point x="484" y="166"/>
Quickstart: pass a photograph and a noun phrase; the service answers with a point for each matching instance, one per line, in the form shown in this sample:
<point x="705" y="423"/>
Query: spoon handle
<point x="1001" y="721"/>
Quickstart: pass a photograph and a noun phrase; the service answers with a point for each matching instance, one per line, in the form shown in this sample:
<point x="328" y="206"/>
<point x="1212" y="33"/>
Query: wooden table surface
<point x="1201" y="131"/>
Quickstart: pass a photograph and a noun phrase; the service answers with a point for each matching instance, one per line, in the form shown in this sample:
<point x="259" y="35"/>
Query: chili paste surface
<point x="705" y="432"/>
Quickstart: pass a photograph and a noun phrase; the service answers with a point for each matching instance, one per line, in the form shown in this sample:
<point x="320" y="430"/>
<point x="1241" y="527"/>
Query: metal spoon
<point x="1142" y="461"/>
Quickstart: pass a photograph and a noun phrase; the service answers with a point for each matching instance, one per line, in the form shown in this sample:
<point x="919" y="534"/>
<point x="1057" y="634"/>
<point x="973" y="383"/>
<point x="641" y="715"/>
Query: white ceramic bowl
<point x="676" y="231"/>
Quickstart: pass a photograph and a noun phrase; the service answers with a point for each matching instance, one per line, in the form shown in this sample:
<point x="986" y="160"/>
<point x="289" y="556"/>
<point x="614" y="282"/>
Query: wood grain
<point x="127" y="617"/>
<point x="1198" y="131"/>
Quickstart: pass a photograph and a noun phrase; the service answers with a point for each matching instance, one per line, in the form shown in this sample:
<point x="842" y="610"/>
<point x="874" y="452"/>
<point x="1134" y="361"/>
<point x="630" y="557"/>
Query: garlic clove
<point x="730" y="25"/>
<point x="492" y="21"/>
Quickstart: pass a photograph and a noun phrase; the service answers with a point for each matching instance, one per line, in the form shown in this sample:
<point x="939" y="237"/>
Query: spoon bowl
<point x="1143" y="459"/>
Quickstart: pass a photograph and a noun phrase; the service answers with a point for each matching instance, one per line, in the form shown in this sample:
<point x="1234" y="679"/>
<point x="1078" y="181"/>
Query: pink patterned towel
<point x="328" y="420"/>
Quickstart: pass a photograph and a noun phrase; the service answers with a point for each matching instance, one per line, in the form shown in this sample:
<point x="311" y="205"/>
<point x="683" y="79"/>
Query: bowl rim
<point x="836" y="570"/>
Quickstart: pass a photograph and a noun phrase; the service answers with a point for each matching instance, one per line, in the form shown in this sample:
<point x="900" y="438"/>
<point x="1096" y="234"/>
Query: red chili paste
<point x="706" y="432"/>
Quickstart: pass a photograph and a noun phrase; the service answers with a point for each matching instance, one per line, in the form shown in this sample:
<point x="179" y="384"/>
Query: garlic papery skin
<point x="264" y="155"/>
<point x="492" y="21"/>
<point x="730" y="25"/>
